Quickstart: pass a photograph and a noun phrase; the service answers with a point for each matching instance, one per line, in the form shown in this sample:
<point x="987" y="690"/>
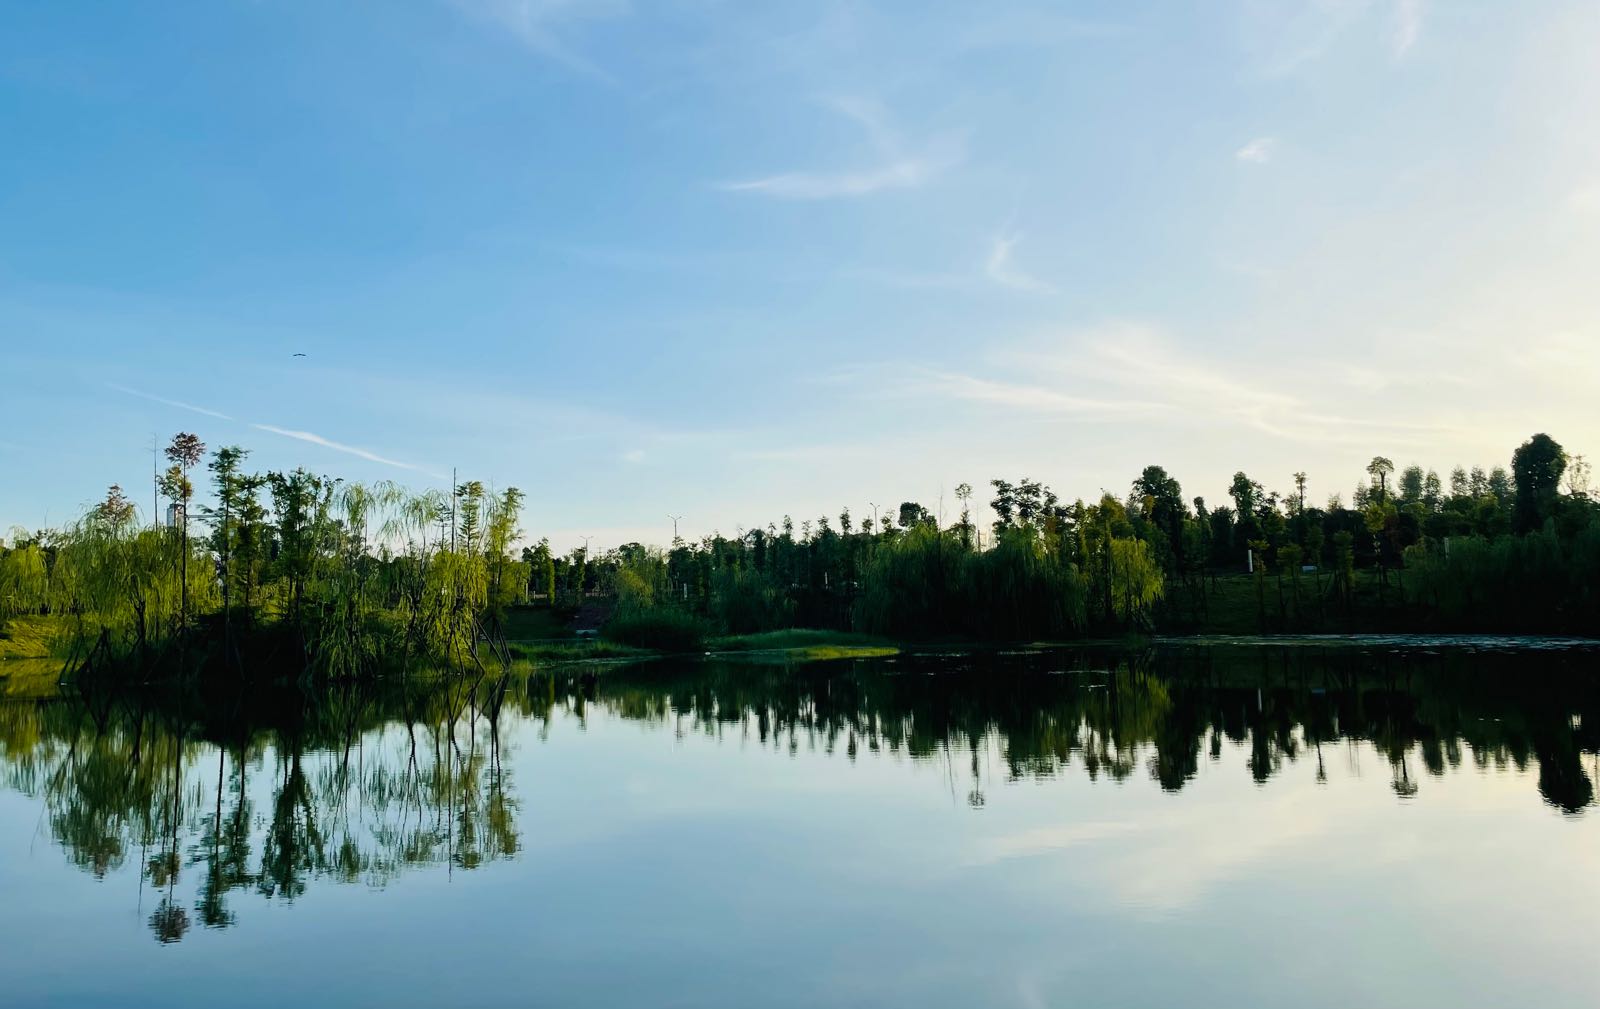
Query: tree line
<point x="1498" y="550"/>
<point x="346" y="576"/>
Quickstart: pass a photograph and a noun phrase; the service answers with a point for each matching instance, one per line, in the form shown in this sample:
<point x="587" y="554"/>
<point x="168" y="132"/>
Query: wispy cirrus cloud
<point x="1029" y="396"/>
<point x="1131" y="373"/>
<point x="1258" y="151"/>
<point x="542" y="26"/>
<point x="991" y="388"/>
<point x="360" y="453"/>
<point x="1143" y="360"/>
<point x="175" y="403"/>
<point x="894" y="165"/>
<point x="905" y="174"/>
<point x="305" y="436"/>
<point x="1286" y="36"/>
<point x="1405" y="26"/>
<point x="1001" y="267"/>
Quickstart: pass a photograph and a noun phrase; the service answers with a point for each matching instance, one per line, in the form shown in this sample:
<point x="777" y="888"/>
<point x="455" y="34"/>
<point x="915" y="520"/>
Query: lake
<point x="1379" y="823"/>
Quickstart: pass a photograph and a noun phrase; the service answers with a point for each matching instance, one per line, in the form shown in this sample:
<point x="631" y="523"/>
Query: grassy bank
<point x="795" y="644"/>
<point x="808" y="645"/>
<point x="575" y="649"/>
<point x="32" y="637"/>
<point x="32" y="648"/>
<point x="29" y="650"/>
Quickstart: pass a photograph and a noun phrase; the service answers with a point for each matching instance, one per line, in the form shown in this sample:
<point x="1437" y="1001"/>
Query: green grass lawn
<point x="807" y="644"/>
<point x="28" y="663"/>
<point x="32" y="637"/>
<point x="29" y="678"/>
<point x="575" y="650"/>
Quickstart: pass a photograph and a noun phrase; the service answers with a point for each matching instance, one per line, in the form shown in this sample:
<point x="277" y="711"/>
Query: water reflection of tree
<point x="1111" y="715"/>
<point x="267" y="796"/>
<point x="350" y="795"/>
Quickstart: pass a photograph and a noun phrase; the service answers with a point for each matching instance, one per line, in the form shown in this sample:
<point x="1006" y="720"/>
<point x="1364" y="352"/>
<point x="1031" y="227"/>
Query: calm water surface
<point x="1220" y="826"/>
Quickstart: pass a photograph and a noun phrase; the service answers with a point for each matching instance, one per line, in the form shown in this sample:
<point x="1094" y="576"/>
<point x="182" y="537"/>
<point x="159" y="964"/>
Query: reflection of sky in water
<point x="662" y="867"/>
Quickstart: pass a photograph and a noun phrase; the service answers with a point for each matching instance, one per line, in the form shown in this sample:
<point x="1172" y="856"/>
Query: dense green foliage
<point x="1538" y="582"/>
<point x="665" y="628"/>
<point x="342" y="576"/>
<point x="349" y="577"/>
<point x="1515" y="547"/>
<point x="927" y="582"/>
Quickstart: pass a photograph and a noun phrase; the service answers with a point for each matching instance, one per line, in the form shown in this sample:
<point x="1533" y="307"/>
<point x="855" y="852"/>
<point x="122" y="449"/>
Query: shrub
<point x="661" y="627"/>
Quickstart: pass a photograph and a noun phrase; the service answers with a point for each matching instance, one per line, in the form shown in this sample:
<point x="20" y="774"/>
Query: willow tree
<point x="116" y="579"/>
<point x="909" y="584"/>
<point x="1023" y="587"/>
<point x="1136" y="580"/>
<point x="24" y="578"/>
<point x="341" y="640"/>
<point x="508" y="577"/>
<point x="458" y="586"/>
<point x="417" y="587"/>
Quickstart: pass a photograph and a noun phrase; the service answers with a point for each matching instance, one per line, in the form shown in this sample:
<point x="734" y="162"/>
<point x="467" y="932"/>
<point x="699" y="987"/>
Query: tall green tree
<point x="230" y="486"/>
<point x="1536" y="468"/>
<point x="184" y="452"/>
<point x="1379" y="469"/>
<point x="1160" y="498"/>
<point x="1411" y="481"/>
<point x="300" y="505"/>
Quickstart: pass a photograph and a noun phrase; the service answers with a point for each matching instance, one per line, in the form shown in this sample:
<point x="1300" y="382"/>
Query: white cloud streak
<point x="1405" y="27"/>
<point x="1289" y="35"/>
<point x="1131" y="374"/>
<point x="1139" y="358"/>
<point x="179" y="404"/>
<point x="540" y="24"/>
<point x="906" y="174"/>
<point x="1258" y="151"/>
<point x="895" y="167"/>
<point x="360" y="453"/>
<point x="1000" y="268"/>
<point x="949" y="384"/>
<point x="1021" y="395"/>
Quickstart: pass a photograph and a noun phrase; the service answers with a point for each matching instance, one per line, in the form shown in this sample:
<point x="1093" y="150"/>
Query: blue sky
<point x="736" y="260"/>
